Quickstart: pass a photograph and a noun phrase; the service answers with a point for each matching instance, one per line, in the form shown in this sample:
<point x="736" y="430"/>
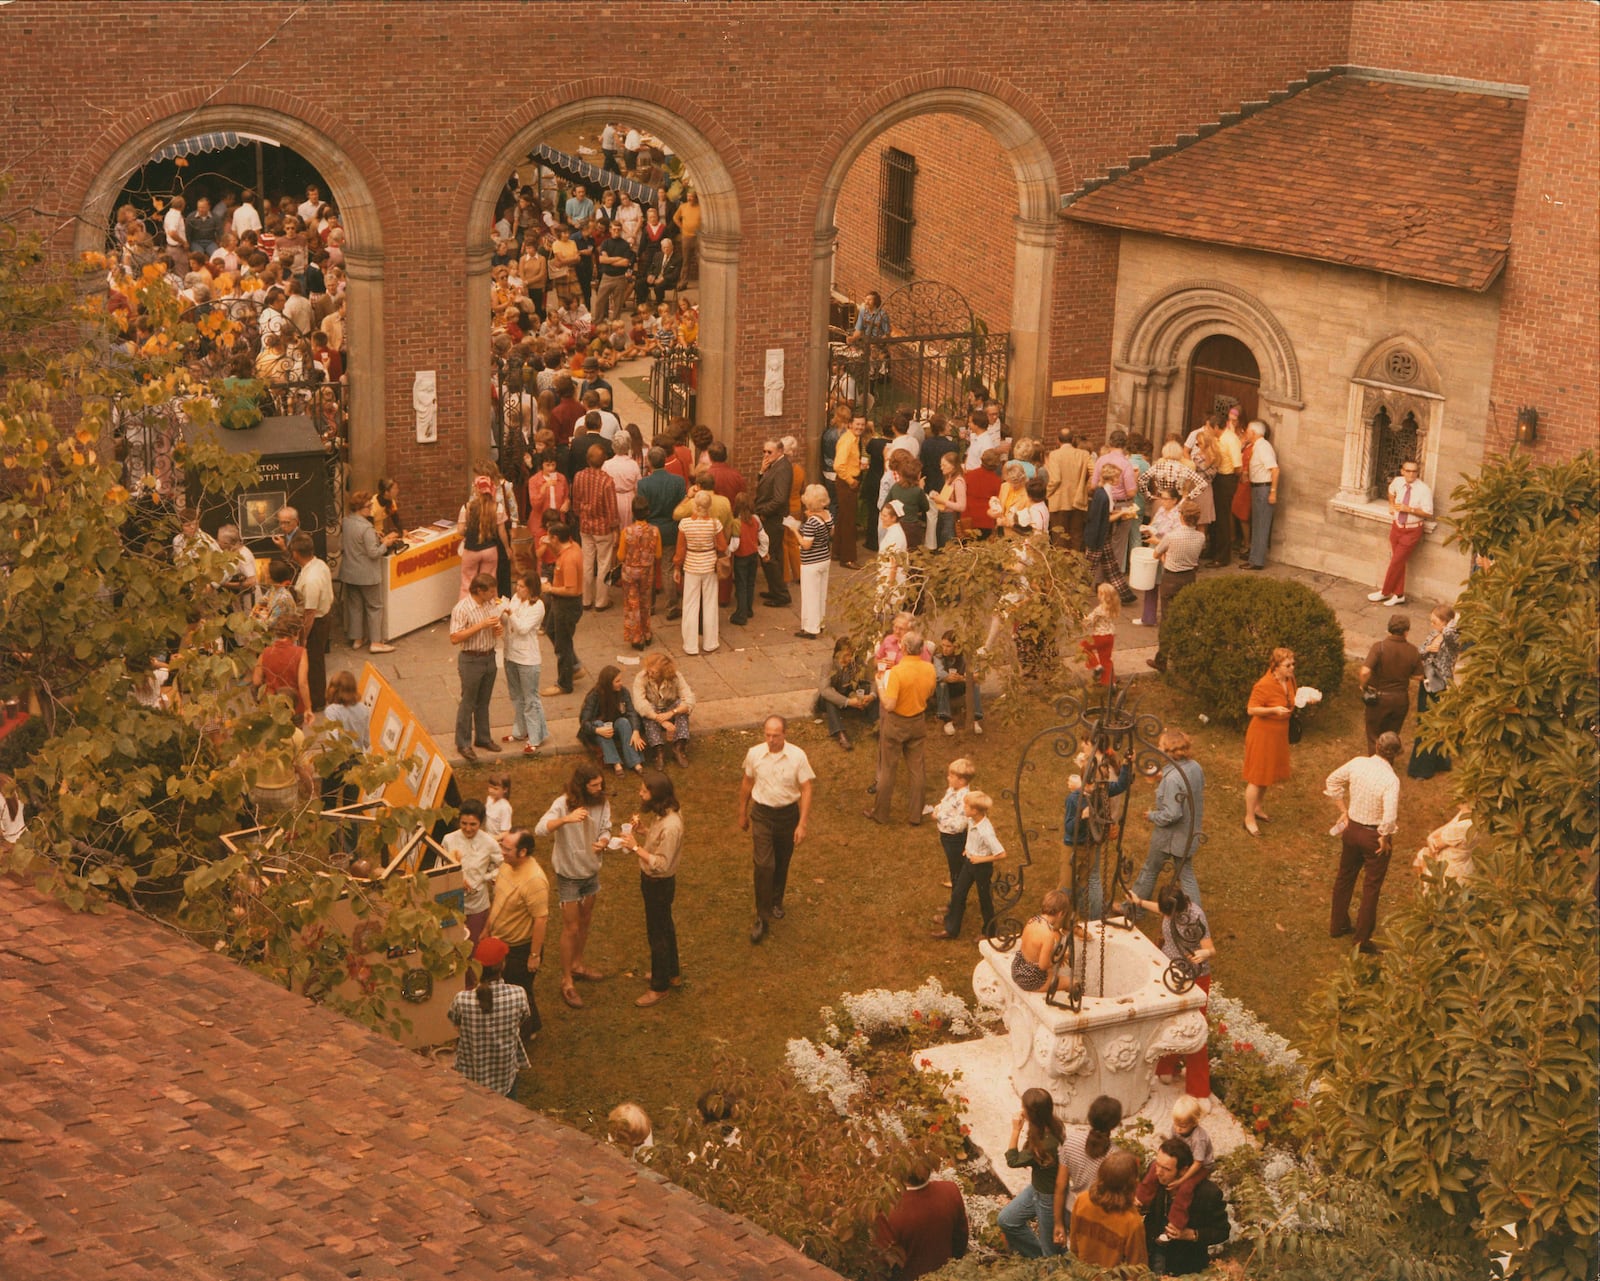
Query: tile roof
<point x="166" y="1114"/>
<point x="1410" y="181"/>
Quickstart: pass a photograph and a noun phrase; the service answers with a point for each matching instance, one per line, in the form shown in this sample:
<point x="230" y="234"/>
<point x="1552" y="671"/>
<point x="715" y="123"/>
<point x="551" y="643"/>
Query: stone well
<point x="1129" y="1019"/>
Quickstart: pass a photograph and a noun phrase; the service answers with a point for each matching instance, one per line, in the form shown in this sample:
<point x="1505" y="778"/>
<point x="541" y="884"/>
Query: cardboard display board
<point x="395" y="728"/>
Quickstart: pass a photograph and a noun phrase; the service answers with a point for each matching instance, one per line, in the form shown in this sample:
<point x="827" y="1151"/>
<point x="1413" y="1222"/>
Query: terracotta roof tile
<point x="1409" y="181"/>
<point x="169" y="1115"/>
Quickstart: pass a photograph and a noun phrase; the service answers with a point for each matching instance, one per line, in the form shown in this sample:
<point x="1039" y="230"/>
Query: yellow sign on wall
<point x="1077" y="386"/>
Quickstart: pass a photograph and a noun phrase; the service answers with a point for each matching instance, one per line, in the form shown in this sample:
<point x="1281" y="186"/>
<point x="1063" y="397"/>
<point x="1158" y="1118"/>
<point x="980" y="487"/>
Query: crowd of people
<point x="274" y="267"/>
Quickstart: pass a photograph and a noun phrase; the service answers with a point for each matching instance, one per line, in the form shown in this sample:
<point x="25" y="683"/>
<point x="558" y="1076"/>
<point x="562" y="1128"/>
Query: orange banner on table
<point x="440" y="555"/>
<point x="395" y="728"/>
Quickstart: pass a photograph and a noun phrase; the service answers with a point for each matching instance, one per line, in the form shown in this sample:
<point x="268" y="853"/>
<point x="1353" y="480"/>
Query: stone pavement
<point x="760" y="669"/>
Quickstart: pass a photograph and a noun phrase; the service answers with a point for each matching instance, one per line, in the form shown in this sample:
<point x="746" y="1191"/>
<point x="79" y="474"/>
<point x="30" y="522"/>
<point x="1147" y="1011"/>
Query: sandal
<point x="531" y="749"/>
<point x="569" y="994"/>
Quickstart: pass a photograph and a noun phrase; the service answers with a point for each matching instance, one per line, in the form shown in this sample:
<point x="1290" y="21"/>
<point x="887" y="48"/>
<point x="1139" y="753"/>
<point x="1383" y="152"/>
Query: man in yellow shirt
<point x="903" y="729"/>
<point x="520" y="914"/>
<point x="721" y="508"/>
<point x="847" y="471"/>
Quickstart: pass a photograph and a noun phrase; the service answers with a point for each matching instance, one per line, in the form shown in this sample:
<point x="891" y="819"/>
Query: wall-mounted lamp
<point x="1527" y="425"/>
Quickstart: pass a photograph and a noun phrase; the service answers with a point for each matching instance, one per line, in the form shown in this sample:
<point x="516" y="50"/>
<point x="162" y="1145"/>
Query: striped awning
<point x="577" y="168"/>
<point x="202" y="143"/>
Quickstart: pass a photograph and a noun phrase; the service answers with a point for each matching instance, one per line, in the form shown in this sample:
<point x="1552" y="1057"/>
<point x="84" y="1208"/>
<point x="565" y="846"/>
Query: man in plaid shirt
<point x="490" y="1019"/>
<point x="594" y="499"/>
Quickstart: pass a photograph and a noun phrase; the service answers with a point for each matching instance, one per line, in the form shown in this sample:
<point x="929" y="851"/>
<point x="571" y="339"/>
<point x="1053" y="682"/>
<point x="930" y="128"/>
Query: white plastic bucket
<point x="1142" y="569"/>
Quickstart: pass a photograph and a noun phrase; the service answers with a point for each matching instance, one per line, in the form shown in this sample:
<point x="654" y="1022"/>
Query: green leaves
<point x="1461" y="1070"/>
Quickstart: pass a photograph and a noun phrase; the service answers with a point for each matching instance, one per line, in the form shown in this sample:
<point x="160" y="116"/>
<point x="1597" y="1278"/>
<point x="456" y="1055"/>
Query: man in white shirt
<point x="1410" y="503"/>
<point x="314" y="586"/>
<point x="989" y="438"/>
<point x="176" y="228"/>
<point x="309" y="206"/>
<point x="630" y="149"/>
<point x="610" y="424"/>
<point x="608" y="146"/>
<point x="774" y="801"/>
<point x="246" y="217"/>
<point x="480" y="857"/>
<point x="1368" y="792"/>
<point x="1263" y="493"/>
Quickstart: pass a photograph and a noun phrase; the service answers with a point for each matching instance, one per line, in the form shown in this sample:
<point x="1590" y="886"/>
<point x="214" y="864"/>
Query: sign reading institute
<point x="1077" y="386"/>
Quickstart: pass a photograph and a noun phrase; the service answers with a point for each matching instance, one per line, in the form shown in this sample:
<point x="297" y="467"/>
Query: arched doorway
<point x="1222" y="373"/>
<point x="1034" y="231"/>
<point x="363" y="251"/>
<point x="718" y="251"/>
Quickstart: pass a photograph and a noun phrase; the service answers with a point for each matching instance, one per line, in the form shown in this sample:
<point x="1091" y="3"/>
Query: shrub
<point x="1220" y="634"/>
<point x="1459" y="1072"/>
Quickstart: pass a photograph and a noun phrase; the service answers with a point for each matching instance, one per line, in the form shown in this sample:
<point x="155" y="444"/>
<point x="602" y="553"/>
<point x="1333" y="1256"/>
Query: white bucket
<point x="1142" y="569"/>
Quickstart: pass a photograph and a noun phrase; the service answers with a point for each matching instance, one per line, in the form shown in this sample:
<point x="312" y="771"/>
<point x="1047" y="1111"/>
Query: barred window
<point x="897" y="176"/>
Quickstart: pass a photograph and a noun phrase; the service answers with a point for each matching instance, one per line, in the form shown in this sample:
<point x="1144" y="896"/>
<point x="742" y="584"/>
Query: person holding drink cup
<point x="475" y="626"/>
<point x="656" y="836"/>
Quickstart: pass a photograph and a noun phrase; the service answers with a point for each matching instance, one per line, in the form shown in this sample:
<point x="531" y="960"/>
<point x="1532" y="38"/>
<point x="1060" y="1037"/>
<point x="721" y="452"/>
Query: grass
<point x="862" y="898"/>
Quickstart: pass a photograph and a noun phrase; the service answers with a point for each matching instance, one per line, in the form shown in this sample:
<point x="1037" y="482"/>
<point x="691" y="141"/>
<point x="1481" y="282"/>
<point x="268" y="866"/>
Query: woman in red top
<point x="746" y="556"/>
<point x="1266" y="742"/>
<point x="982" y="485"/>
<point x="283" y="667"/>
<point x="547" y="489"/>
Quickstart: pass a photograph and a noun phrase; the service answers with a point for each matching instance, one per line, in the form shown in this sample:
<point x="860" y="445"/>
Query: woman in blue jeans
<point x="1041" y="1158"/>
<point x="608" y="721"/>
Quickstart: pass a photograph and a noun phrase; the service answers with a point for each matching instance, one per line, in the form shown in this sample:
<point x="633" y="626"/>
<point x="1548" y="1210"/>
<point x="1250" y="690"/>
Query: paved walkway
<point x="760" y="669"/>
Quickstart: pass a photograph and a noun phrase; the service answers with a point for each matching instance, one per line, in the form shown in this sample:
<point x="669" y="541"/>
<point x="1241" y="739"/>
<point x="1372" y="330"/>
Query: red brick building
<point x="417" y="114"/>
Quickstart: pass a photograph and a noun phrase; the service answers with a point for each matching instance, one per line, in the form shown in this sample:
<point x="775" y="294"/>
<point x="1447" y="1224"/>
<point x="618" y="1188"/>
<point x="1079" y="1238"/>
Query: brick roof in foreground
<point x="1409" y="181"/>
<point x="166" y="1114"/>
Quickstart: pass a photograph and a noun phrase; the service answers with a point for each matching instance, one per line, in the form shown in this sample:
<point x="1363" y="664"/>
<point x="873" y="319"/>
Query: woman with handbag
<point x="1266" y="742"/>
<point x="700" y="543"/>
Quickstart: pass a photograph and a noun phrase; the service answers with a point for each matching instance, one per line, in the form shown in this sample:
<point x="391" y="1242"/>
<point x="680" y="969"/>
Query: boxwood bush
<point x="1220" y="633"/>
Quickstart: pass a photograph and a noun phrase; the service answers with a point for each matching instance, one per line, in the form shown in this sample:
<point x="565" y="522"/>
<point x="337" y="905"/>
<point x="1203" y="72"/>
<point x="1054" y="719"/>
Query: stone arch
<point x="719" y="178"/>
<point x="364" y="207"/>
<point x="1030" y="143"/>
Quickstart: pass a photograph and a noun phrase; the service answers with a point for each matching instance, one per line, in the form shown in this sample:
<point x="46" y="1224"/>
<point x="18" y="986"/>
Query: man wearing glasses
<point x="1411" y="502"/>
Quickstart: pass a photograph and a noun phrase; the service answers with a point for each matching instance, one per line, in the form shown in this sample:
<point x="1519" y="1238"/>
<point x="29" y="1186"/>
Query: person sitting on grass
<point x="844" y="687"/>
<point x="950" y="671"/>
<point x="609" y="723"/>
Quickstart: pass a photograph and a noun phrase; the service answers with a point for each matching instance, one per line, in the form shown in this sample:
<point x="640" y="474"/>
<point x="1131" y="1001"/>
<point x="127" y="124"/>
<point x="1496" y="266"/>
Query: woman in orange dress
<point x="1266" y="742"/>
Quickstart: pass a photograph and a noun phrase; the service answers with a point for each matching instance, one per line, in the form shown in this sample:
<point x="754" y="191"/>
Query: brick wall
<point x="964" y="201"/>
<point x="419" y="103"/>
<point x="1475" y="40"/>
<point x="1546" y="353"/>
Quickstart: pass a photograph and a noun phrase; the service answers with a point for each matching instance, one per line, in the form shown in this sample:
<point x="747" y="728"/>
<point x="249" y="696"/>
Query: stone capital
<point x="1037" y="233"/>
<point x="363" y="264"/>
<point x="719" y="247"/>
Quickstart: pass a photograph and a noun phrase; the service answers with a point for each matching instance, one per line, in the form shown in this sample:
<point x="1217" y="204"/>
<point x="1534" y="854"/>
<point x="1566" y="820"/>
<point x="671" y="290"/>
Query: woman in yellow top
<point x="1012" y="499"/>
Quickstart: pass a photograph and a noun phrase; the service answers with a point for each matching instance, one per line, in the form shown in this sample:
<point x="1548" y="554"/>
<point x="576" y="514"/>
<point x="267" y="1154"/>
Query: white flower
<point x="822" y="1069"/>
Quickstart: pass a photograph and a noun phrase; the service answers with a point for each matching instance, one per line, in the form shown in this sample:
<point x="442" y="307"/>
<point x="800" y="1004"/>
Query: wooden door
<point x="1209" y="390"/>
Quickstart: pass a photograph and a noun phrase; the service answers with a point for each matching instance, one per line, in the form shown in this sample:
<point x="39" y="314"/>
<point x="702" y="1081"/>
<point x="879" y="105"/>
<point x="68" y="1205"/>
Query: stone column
<point x="719" y="333"/>
<point x="1030" y="323"/>
<point x="818" y="352"/>
<point x="478" y="402"/>
<point x="364" y="346"/>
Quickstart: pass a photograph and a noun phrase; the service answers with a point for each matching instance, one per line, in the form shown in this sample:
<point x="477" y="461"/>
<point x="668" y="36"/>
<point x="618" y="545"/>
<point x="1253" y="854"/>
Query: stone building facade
<point x="417" y="122"/>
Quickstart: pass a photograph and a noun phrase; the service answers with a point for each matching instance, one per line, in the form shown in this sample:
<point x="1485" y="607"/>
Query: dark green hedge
<point x="1220" y="634"/>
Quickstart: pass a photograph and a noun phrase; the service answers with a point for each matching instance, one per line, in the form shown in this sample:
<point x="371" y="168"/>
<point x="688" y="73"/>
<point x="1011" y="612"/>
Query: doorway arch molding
<point x="1024" y="132"/>
<point x="360" y="191"/>
<point x="721" y="179"/>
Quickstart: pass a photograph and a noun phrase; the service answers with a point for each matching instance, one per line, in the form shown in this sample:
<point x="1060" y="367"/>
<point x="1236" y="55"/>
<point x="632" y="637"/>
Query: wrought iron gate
<point x="939" y="357"/>
<point x="675" y="385"/>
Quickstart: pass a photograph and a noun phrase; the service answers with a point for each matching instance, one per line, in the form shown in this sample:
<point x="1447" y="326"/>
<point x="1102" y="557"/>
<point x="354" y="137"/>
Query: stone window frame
<point x="1373" y="386"/>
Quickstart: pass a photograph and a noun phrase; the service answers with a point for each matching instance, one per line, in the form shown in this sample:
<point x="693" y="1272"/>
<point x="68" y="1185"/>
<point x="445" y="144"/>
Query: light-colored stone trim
<point x="1451" y="84"/>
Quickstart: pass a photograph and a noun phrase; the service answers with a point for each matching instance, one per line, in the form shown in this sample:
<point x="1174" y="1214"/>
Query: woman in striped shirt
<point x="700" y="542"/>
<point x="816" y="553"/>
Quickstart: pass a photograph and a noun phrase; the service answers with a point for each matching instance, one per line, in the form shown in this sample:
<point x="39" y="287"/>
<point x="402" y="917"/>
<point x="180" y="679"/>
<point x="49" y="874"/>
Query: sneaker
<point x="949" y="728"/>
<point x="1375" y="597"/>
<point x="977" y="727"/>
<point x="1395" y="600"/>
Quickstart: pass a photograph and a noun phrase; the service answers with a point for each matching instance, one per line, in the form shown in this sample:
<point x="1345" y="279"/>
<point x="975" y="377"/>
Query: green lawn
<point x="861" y="900"/>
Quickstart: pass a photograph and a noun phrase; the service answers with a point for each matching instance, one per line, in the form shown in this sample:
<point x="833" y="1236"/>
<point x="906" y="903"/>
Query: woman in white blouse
<point x="623" y="468"/>
<point x="522" y="622"/>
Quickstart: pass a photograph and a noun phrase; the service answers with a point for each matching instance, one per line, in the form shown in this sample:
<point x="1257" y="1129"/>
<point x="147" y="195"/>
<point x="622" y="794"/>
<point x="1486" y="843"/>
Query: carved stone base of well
<point x="1129" y="1019"/>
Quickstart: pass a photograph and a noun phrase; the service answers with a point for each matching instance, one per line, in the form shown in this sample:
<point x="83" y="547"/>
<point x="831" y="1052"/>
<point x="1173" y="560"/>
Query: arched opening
<point x="1223" y="373"/>
<point x="689" y="160"/>
<point x="352" y="198"/>
<point x="1032" y="243"/>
